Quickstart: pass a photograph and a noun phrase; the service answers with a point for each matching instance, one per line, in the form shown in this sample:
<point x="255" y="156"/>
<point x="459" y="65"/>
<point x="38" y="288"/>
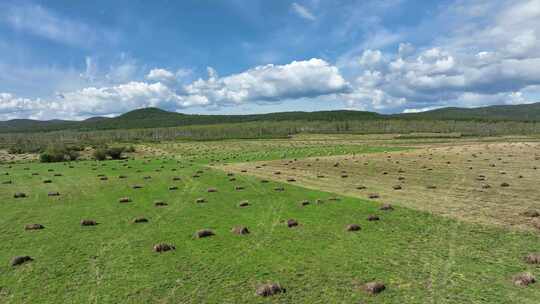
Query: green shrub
<point x="115" y="152"/>
<point x="100" y="154"/>
<point x="58" y="154"/>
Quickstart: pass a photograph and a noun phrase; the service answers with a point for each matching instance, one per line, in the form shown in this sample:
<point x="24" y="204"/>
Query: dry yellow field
<point x="487" y="183"/>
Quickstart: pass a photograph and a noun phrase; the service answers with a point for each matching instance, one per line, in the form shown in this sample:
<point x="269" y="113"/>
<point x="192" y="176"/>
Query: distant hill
<point x="156" y="118"/>
<point x="522" y="112"/>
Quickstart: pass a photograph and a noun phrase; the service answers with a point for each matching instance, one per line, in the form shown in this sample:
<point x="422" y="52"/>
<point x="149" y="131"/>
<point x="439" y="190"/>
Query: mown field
<point x="419" y="256"/>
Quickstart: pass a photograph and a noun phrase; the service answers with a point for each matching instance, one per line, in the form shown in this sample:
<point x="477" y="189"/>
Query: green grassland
<point x="420" y="257"/>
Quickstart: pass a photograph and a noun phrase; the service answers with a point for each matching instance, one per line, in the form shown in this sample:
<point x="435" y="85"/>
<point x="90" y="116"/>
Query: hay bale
<point x="163" y="247"/>
<point x="204" y="233"/>
<point x="136" y="187"/>
<point x="19" y="260"/>
<point x="292" y="223"/>
<point x="386" y="207"/>
<point x="138" y="220"/>
<point x="397" y="187"/>
<point x="34" y="227"/>
<point x="19" y="195"/>
<point x="239" y="188"/>
<point x="373" y="217"/>
<point x="172" y="188"/>
<point x="523" y="279"/>
<point x="244" y="203"/>
<point x="353" y="227"/>
<point x="505" y="184"/>
<point x="531" y="213"/>
<point x="279" y="189"/>
<point x="122" y="176"/>
<point x="270" y="289"/>
<point x="241" y="230"/>
<point x="374" y="288"/>
<point x="47" y="181"/>
<point x="211" y="190"/>
<point x="264" y="181"/>
<point x="532" y="258"/>
<point x="88" y="223"/>
<point x="103" y="178"/>
<point x="124" y="200"/>
<point x="53" y="193"/>
<point x="291" y="180"/>
<point x="304" y="203"/>
<point x="431" y="187"/>
<point x="8" y="182"/>
<point x="160" y="204"/>
<point x="200" y="200"/>
<point x="373" y="196"/>
<point x="361" y="187"/>
<point x="176" y="178"/>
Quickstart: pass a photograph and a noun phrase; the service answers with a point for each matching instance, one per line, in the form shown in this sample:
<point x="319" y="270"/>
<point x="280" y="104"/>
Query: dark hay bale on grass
<point x="353" y="227"/>
<point x="204" y="233"/>
<point x="373" y="196"/>
<point x="160" y="204"/>
<point x="136" y="187"/>
<point x="47" y="181"/>
<point x="200" y="200"/>
<point x="372" y="218"/>
<point x="239" y="188"/>
<point x="279" y="189"/>
<point x="163" y="247"/>
<point x="211" y="190"/>
<point x="243" y="204"/>
<point x="532" y="258"/>
<point x="138" y="220"/>
<point x="19" y="260"/>
<point x="34" y="227"/>
<point x="374" y="288"/>
<point x="53" y="193"/>
<point x="292" y="223"/>
<point x="124" y="200"/>
<point x="241" y="230"/>
<point x="269" y="289"/>
<point x="19" y="195"/>
<point x="88" y="223"/>
<point x="304" y="203"/>
<point x="386" y="207"/>
<point x="171" y="188"/>
<point x="523" y="279"/>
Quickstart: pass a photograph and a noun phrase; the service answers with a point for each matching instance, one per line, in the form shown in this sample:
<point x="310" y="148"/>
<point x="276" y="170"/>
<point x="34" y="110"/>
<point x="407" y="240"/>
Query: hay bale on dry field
<point x="531" y="213"/>
<point x="386" y="207"/>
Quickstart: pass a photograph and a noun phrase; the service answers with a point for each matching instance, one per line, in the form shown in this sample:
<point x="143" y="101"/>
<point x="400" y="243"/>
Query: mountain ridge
<point x="155" y="117"/>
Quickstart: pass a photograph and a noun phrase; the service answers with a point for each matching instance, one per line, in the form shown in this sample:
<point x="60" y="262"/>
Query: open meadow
<point x="320" y="216"/>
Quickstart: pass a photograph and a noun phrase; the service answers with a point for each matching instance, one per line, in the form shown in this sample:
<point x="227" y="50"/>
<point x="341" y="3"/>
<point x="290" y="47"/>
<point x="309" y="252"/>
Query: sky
<point x="79" y="59"/>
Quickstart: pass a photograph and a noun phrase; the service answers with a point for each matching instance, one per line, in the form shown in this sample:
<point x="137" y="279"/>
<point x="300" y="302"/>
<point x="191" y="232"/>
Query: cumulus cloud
<point x="262" y="84"/>
<point x="302" y="11"/>
<point x="485" y="60"/>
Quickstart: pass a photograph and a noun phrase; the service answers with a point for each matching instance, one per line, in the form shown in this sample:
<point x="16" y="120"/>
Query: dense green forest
<point x="157" y="118"/>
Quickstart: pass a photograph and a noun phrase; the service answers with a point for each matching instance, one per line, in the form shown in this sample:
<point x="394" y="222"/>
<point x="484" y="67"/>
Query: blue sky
<point x="76" y="59"/>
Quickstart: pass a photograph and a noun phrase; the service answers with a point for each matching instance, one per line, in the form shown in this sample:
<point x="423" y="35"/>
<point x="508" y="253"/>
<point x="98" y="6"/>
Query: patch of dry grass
<point x="487" y="183"/>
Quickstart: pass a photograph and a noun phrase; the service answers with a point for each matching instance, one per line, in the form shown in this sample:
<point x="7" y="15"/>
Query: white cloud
<point x="262" y="84"/>
<point x="486" y="59"/>
<point x="302" y="11"/>
<point x="271" y="83"/>
<point x="161" y="75"/>
<point x="44" y="23"/>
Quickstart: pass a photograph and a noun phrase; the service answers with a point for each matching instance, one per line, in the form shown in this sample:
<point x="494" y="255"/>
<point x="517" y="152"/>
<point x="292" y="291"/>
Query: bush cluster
<point x="58" y="154"/>
<point x="102" y="153"/>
